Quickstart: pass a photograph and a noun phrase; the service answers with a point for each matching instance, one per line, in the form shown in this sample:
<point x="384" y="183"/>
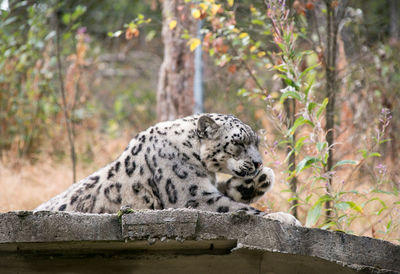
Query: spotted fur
<point x="173" y="165"/>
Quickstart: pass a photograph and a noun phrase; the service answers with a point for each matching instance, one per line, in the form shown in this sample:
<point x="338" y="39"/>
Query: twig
<point x="63" y="97"/>
<point x="248" y="69"/>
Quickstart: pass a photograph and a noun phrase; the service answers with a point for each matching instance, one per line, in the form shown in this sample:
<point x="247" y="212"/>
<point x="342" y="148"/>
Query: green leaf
<point x="388" y="226"/>
<point x="374" y="154"/>
<point x="290" y="93"/>
<point x="300" y="142"/>
<point x="308" y="70"/>
<point x="311" y="106"/>
<point x="342" y="205"/>
<point x="66" y="18"/>
<point x="299" y="122"/>
<point x="328" y="225"/>
<point x="242" y="92"/>
<point x="364" y="153"/>
<point x="321" y="146"/>
<point x="354" y="206"/>
<point x="344" y="162"/>
<point x="150" y="35"/>
<point x="313" y="215"/>
<point x="315" y="212"/>
<point x="257" y="22"/>
<point x="309" y="86"/>
<point x="306" y="163"/>
<point x="281" y="68"/>
<point x="322" y="107"/>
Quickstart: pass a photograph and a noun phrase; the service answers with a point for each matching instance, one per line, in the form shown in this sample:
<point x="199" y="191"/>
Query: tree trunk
<point x="394" y="21"/>
<point x="331" y="87"/>
<point x="176" y="76"/>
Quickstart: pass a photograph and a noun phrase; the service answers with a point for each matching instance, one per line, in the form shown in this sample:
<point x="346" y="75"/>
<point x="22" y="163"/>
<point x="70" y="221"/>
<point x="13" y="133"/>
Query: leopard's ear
<point x="207" y="127"/>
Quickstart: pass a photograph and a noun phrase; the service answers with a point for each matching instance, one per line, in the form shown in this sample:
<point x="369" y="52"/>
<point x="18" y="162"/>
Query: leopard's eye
<point x="236" y="143"/>
<point x="239" y="146"/>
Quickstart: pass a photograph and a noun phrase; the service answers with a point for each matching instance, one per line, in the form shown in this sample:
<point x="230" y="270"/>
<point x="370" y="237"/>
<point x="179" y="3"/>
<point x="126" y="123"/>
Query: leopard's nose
<point x="257" y="164"/>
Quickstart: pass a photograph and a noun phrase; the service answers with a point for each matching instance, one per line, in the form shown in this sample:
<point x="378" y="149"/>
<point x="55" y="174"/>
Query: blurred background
<point x="79" y="79"/>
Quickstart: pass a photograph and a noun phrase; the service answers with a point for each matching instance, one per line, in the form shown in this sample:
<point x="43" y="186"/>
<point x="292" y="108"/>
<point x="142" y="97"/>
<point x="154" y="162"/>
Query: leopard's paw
<point x="264" y="180"/>
<point x="284" y="218"/>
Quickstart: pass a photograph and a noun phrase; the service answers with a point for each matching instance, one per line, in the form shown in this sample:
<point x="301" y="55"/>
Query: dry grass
<point x="25" y="185"/>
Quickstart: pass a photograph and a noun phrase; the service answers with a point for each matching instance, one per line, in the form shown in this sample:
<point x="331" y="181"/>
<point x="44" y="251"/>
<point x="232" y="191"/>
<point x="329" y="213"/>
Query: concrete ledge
<point x="181" y="241"/>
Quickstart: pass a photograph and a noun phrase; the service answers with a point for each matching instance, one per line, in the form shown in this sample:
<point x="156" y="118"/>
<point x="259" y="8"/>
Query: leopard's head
<point x="229" y="146"/>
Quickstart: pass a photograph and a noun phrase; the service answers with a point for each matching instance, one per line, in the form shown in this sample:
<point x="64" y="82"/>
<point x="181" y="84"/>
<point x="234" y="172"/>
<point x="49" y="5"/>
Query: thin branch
<point x="63" y="97"/>
<point x="248" y="69"/>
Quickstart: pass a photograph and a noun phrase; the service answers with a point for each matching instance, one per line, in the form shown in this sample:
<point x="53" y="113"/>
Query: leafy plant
<point x="268" y="44"/>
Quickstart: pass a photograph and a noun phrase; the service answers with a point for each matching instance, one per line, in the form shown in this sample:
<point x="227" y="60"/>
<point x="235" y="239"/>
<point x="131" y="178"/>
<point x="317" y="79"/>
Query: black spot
<point x="110" y="173"/>
<point x="136" y="187"/>
<point x="185" y="157"/>
<point x="63" y="207"/>
<point x="73" y="199"/>
<point x="192" y="204"/>
<point x="146" y="199"/>
<point x="248" y="181"/>
<point x="266" y="184"/>
<point x="87" y="197"/>
<point x="146" y="159"/>
<point x="162" y="154"/>
<point x="154" y="161"/>
<point x="141" y="170"/>
<point x="155" y="190"/>
<point x="180" y="173"/>
<point x="142" y="138"/>
<point x="93" y="204"/>
<point x="187" y="143"/>
<point x="206" y="193"/>
<point x="136" y="149"/>
<point x="193" y="190"/>
<point x="197" y="156"/>
<point x="158" y="176"/>
<point x="223" y="209"/>
<point x="118" y="186"/>
<point x="117" y="165"/>
<point x="243" y="209"/>
<point x="171" y="191"/>
<point x="95" y="180"/>
<point x="262" y="178"/>
<point x="218" y="198"/>
<point x="117" y="199"/>
<point x="247" y="193"/>
<point x="200" y="174"/>
<point x="129" y="167"/>
<point x="210" y="201"/>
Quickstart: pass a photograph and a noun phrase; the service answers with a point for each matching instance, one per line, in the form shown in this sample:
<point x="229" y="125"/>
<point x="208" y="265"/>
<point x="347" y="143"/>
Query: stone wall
<point x="181" y="241"/>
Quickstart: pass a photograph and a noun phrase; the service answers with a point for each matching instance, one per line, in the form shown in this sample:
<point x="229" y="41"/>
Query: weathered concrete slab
<point x="182" y="241"/>
<point x="27" y="226"/>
